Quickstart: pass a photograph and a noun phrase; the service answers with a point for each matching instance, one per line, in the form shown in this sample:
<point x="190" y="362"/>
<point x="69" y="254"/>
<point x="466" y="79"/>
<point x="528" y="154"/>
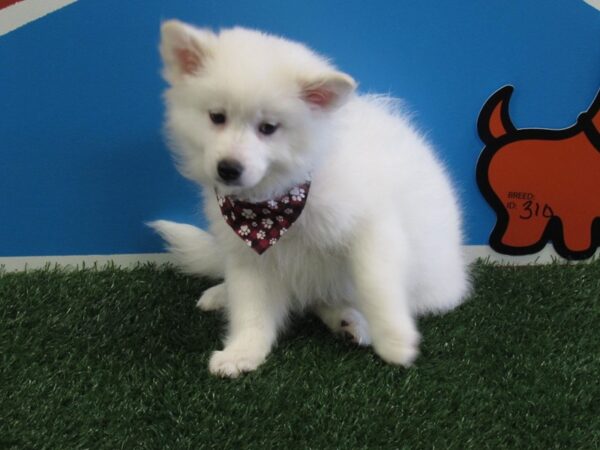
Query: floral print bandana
<point x="261" y="224"/>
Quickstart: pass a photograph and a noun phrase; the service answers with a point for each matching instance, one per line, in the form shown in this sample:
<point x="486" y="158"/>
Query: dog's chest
<point x="311" y="273"/>
<point x="312" y="258"/>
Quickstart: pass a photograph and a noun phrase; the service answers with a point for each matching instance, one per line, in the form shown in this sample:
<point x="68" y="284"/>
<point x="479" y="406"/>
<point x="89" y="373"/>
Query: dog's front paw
<point x="398" y="348"/>
<point x="232" y="363"/>
<point x="213" y="299"/>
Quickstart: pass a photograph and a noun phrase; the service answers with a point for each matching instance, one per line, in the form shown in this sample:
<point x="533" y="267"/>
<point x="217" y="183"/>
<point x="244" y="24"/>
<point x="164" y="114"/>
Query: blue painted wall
<point x="82" y="161"/>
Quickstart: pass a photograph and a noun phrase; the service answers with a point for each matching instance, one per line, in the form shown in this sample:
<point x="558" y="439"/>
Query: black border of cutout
<point x="553" y="231"/>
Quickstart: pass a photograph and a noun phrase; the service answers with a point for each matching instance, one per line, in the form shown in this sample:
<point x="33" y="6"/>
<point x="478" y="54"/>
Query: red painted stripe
<point x="5" y="3"/>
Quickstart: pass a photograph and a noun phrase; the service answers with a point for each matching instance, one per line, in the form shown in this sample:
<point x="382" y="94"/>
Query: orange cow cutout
<point x="544" y="185"/>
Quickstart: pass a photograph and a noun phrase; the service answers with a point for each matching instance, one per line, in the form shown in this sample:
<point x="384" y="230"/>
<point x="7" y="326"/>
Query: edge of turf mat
<point x="104" y="357"/>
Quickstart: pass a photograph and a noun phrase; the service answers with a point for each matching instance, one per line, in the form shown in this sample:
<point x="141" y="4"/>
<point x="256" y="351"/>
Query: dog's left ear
<point x="327" y="91"/>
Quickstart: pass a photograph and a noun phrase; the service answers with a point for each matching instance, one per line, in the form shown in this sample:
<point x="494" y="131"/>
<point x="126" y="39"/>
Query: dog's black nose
<point x="229" y="170"/>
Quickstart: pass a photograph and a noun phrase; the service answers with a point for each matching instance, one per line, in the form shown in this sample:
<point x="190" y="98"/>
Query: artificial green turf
<point x="118" y="359"/>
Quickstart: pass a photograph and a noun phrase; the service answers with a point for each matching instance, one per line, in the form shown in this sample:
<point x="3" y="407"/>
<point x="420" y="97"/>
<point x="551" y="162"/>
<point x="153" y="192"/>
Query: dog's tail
<point x="195" y="250"/>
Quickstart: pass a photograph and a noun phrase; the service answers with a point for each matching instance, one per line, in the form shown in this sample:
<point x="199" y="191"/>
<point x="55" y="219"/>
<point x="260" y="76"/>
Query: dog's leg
<point x="379" y="259"/>
<point x="345" y="321"/>
<point x="257" y="308"/>
<point x="213" y="299"/>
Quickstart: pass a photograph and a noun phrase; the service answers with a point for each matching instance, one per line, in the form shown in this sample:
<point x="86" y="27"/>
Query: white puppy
<point x="371" y="241"/>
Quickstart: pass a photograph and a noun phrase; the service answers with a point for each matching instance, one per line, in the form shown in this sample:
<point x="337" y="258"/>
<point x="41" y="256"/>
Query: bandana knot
<point x="262" y="224"/>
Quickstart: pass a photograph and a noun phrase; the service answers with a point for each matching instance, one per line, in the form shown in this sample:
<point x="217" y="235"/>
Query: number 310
<point x="532" y="209"/>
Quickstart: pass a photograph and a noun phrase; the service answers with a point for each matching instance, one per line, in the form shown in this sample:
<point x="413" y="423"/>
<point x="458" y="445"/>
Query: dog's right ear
<point x="184" y="49"/>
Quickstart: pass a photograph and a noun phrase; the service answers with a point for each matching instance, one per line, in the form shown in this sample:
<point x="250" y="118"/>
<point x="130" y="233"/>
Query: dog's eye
<point x="217" y="118"/>
<point x="267" y="128"/>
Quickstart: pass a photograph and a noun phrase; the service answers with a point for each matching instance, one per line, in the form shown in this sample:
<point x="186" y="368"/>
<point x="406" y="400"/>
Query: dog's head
<point x="247" y="112"/>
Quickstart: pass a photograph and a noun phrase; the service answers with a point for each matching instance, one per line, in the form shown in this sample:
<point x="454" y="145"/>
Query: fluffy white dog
<point x="318" y="198"/>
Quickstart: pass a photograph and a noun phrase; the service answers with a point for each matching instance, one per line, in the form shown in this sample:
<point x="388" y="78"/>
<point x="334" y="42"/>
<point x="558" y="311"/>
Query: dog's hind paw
<point x="213" y="298"/>
<point x="353" y="326"/>
<point x="346" y="322"/>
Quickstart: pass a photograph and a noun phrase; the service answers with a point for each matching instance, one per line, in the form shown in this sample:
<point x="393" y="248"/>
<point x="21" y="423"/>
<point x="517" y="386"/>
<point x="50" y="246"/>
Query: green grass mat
<point x="117" y="359"/>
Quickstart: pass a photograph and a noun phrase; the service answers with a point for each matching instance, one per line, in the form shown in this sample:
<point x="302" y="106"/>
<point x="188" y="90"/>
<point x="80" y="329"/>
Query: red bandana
<point x="261" y="224"/>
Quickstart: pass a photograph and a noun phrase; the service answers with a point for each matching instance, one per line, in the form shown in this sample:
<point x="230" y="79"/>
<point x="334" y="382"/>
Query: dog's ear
<point x="327" y="91"/>
<point x="184" y="49"/>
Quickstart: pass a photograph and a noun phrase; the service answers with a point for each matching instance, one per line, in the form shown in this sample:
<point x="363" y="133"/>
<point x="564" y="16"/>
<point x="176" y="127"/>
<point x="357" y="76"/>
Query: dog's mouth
<point x="228" y="190"/>
<point x="262" y="190"/>
<point x="230" y="184"/>
<point x="235" y="188"/>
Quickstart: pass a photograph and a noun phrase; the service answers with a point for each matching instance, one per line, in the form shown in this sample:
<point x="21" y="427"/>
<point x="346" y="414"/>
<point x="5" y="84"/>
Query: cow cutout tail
<point x="494" y="120"/>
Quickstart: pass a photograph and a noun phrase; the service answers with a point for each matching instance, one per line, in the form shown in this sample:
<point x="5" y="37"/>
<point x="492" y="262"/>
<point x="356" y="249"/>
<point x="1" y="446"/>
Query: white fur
<point x="379" y="240"/>
<point x="213" y="299"/>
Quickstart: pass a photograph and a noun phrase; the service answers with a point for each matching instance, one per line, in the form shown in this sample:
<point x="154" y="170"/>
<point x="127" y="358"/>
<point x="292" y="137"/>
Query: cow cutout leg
<point x="524" y="233"/>
<point x="577" y="234"/>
